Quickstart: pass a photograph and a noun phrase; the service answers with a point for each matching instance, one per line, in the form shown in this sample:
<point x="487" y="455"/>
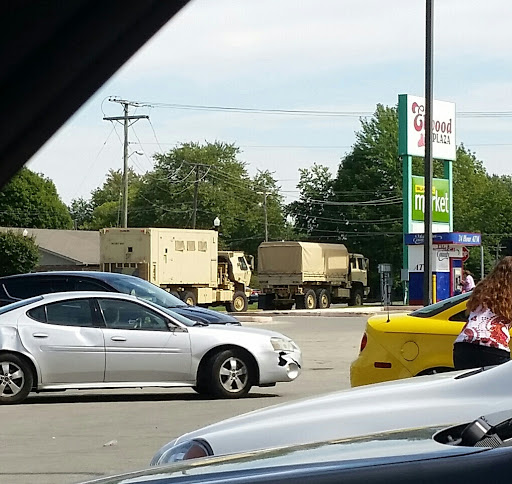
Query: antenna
<point x="388" y="299"/>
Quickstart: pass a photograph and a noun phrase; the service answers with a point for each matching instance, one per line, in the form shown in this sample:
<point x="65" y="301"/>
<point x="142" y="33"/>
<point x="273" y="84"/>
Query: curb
<point x="267" y="316"/>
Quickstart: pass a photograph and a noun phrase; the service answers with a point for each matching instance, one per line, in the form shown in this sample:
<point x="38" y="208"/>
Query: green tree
<point x="309" y="213"/>
<point x="81" y="213"/>
<point x="104" y="207"/>
<point x="31" y="200"/>
<point x="19" y="254"/>
<point x="224" y="189"/>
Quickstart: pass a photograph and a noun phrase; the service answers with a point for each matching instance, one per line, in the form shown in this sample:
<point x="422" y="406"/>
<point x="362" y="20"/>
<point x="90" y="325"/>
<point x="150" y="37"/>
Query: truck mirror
<point x="250" y="260"/>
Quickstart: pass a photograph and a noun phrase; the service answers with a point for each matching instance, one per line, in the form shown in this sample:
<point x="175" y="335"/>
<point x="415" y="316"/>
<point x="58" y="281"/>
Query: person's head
<point x="466" y="273"/>
<point x="495" y="291"/>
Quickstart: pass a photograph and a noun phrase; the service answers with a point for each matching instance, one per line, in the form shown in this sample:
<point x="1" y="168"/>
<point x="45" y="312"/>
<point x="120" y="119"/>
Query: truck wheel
<point x="16" y="379"/>
<point x="356" y="297"/>
<point x="239" y="303"/>
<point x="189" y="298"/>
<point x="310" y="299"/>
<point x="324" y="301"/>
<point x="231" y="374"/>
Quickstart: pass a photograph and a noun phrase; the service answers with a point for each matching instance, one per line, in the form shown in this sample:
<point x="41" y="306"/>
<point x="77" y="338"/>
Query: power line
<point x="304" y="112"/>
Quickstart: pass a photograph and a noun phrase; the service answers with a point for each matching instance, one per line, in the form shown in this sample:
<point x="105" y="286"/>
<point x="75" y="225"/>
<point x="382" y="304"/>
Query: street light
<point x="265" y="194"/>
<point x="216" y="223"/>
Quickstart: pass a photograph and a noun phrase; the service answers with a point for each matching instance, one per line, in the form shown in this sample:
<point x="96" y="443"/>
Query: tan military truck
<point x="186" y="262"/>
<point x="310" y="275"/>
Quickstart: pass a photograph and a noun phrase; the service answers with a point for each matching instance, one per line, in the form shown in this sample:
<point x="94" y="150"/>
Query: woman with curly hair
<point x="485" y="337"/>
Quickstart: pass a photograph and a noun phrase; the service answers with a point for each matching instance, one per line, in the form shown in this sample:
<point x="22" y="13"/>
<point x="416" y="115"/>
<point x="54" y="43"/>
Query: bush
<point x="19" y="254"/>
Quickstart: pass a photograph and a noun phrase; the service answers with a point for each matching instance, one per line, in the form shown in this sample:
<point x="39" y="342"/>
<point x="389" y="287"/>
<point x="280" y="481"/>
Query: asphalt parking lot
<point x="70" y="437"/>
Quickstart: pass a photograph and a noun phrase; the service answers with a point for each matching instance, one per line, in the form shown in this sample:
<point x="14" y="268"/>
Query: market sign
<point x="411" y="122"/>
<point x="440" y="199"/>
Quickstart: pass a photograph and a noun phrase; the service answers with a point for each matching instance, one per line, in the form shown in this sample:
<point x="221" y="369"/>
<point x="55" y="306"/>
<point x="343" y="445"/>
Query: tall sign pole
<point x="125" y="120"/>
<point x="427" y="257"/>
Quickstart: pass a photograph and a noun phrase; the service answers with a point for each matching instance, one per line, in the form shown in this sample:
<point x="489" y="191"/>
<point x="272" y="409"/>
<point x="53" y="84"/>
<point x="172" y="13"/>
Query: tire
<point x="238" y="304"/>
<point x="15" y="379"/>
<point x="231" y="374"/>
<point x="323" y="299"/>
<point x="200" y="389"/>
<point x="189" y="298"/>
<point x="310" y="299"/>
<point x="356" y="298"/>
<point x="175" y="294"/>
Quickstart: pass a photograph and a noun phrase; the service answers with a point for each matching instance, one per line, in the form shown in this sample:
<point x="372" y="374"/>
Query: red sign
<point x="465" y="254"/>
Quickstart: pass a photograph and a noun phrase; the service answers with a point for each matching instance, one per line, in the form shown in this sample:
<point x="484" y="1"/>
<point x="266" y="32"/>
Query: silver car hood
<point x="440" y="399"/>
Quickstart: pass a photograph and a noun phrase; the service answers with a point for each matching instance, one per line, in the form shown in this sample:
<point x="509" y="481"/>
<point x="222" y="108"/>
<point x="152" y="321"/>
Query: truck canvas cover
<point x="309" y="260"/>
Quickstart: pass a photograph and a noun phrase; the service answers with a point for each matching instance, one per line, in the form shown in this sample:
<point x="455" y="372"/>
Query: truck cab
<point x="239" y="265"/>
<point x="359" y="266"/>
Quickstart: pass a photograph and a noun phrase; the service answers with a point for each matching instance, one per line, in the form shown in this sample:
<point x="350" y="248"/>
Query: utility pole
<point x="125" y="119"/>
<point x="196" y="189"/>
<point x="427" y="254"/>
<point x="266" y="219"/>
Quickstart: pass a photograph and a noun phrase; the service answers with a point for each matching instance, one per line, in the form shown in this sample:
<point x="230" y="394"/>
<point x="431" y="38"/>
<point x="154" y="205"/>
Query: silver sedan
<point x="85" y="340"/>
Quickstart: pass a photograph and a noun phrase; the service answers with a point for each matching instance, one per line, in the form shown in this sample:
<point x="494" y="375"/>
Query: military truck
<point x="186" y="262"/>
<point x="310" y="275"/>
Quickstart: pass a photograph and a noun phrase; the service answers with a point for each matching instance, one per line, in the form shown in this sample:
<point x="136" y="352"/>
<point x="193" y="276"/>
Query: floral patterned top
<point x="487" y="329"/>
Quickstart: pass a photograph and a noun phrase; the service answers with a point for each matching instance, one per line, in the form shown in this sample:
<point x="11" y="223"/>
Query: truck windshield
<point x="146" y="291"/>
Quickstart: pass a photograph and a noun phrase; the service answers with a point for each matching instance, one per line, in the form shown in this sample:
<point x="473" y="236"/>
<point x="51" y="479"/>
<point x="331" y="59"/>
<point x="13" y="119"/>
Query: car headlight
<point x="190" y="449"/>
<point x="281" y="344"/>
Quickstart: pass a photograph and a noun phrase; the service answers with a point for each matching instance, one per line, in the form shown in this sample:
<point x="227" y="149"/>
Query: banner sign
<point x="459" y="238"/>
<point x="440" y="199"/>
<point x="411" y="122"/>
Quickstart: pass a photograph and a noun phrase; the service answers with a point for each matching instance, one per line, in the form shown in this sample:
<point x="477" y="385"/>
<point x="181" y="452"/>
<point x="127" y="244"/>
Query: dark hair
<point x="495" y="291"/>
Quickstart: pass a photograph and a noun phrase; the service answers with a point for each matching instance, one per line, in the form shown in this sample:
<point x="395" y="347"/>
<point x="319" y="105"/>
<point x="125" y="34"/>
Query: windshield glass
<point x="146" y="291"/>
<point x="178" y="317"/>
<point x="19" y="304"/>
<point x="433" y="309"/>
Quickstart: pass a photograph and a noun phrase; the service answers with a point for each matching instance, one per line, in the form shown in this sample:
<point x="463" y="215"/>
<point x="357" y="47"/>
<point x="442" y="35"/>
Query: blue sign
<point x="455" y="238"/>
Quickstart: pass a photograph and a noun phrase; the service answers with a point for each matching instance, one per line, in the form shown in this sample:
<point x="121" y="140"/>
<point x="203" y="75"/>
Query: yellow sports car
<point x="403" y="345"/>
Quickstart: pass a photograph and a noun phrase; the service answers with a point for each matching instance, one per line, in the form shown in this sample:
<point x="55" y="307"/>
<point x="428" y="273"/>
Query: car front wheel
<point x="15" y="379"/>
<point x="231" y="375"/>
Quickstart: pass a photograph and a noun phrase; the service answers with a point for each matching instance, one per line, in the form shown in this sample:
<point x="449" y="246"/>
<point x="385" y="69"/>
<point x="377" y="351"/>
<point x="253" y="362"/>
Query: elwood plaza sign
<point x="411" y="115"/>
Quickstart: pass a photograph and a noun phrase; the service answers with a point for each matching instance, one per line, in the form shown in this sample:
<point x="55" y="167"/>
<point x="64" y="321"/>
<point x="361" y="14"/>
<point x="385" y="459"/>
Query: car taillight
<point x="364" y="340"/>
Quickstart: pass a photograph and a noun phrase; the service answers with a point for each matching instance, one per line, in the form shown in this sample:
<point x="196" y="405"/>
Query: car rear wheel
<point x="231" y="374"/>
<point x="15" y="379"/>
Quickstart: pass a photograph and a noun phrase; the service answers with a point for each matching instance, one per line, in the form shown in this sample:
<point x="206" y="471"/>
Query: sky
<point x="325" y="55"/>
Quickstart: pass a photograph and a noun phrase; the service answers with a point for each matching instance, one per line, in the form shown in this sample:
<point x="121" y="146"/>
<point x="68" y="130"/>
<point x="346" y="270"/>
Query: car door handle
<point x="118" y="338"/>
<point x="39" y="335"/>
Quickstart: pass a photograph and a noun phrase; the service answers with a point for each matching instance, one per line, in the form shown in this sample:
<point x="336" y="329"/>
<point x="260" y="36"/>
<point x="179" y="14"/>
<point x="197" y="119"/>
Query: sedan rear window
<point x="434" y="309"/>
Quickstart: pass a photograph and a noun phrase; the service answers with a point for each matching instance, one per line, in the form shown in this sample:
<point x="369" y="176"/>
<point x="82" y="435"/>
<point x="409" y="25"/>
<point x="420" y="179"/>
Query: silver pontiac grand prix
<point x="86" y="340"/>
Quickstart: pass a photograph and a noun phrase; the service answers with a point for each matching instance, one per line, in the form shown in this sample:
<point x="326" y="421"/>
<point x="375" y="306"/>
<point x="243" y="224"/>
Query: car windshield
<point x="182" y="319"/>
<point x="433" y="309"/>
<point x="146" y="291"/>
<point x="19" y="304"/>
